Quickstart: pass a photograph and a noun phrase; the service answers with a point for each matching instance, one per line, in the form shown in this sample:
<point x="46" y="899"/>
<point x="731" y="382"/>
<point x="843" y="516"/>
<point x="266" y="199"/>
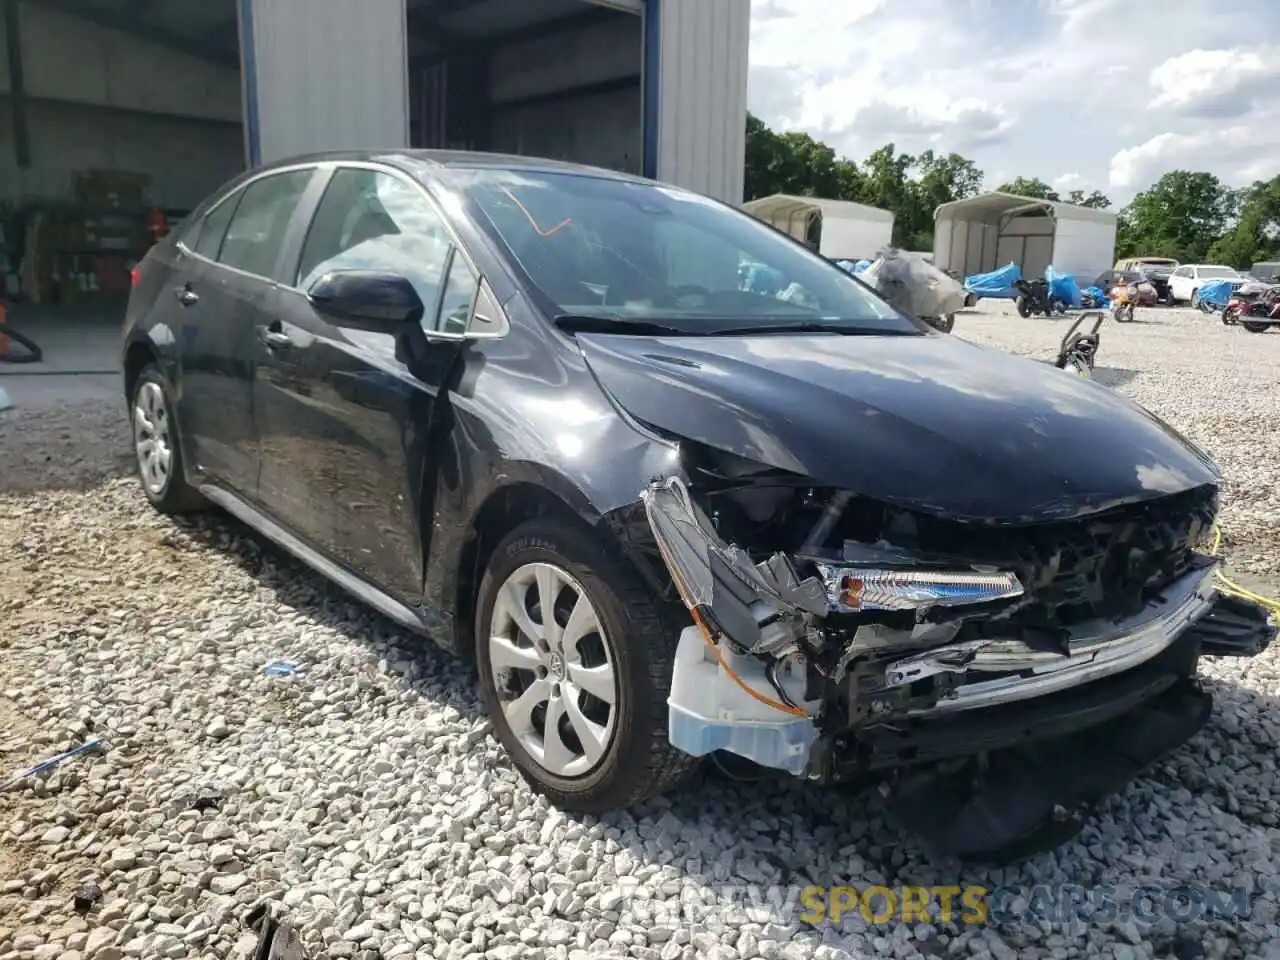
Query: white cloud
<point x="1217" y="82"/>
<point x="1076" y="92"/>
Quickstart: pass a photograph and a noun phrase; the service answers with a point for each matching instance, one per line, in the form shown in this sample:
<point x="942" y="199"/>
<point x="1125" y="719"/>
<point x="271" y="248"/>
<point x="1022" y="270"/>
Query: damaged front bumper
<point x="792" y="663"/>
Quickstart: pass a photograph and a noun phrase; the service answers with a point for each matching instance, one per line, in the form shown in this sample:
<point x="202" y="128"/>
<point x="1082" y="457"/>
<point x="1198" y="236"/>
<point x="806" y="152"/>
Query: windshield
<point x="618" y="250"/>
<point x="1224" y="273"/>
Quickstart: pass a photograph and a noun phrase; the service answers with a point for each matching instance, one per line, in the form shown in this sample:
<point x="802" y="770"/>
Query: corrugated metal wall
<point x="323" y="75"/>
<point x="702" y="47"/>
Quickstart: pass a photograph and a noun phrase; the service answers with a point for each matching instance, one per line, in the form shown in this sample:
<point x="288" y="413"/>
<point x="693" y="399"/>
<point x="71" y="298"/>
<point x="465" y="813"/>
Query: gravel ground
<point x="363" y="795"/>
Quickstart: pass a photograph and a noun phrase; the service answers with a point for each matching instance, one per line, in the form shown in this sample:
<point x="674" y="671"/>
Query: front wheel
<point x="575" y="662"/>
<point x="944" y="323"/>
<point x="1024" y="308"/>
<point x="1195" y="299"/>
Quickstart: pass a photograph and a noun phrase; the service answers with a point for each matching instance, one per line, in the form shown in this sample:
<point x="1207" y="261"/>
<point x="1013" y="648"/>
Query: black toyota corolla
<point x="551" y="417"/>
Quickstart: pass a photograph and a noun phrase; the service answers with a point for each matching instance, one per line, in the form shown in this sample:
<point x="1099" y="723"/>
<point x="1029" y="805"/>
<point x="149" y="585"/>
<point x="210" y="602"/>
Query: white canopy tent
<point x="986" y="232"/>
<point x="839" y="229"/>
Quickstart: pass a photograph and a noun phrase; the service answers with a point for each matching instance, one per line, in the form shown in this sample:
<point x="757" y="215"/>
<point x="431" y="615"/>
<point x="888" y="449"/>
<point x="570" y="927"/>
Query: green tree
<point x="1255" y="236"/>
<point x="1181" y="215"/>
<point x="1096" y="199"/>
<point x="1031" y="187"/>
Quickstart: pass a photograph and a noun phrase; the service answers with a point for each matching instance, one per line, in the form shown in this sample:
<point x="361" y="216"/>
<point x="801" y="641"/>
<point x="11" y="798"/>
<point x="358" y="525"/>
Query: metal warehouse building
<point x="983" y="233"/>
<point x="110" y="108"/>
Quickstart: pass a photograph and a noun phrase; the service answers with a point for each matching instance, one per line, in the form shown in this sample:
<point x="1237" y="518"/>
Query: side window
<point x="214" y="227"/>
<point x="260" y="221"/>
<point x="371" y="220"/>
<point x="1182" y="272"/>
<point x="459" y="294"/>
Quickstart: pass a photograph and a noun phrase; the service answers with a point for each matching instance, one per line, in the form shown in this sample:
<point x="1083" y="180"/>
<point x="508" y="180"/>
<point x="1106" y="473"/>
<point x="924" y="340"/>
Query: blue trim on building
<point x="249" y="67"/>
<point x="652" y="97"/>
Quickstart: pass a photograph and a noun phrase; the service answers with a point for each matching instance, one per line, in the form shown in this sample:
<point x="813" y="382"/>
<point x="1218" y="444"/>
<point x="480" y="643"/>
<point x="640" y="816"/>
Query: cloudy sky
<point x="1090" y="94"/>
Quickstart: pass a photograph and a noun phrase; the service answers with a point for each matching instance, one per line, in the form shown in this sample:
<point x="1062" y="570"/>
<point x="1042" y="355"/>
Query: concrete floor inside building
<point x="81" y="362"/>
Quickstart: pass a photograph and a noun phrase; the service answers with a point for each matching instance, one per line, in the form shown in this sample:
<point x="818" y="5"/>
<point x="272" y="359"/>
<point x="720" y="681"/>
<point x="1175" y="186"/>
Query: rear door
<point x="214" y="407"/>
<point x="341" y="416"/>
<point x="234" y="270"/>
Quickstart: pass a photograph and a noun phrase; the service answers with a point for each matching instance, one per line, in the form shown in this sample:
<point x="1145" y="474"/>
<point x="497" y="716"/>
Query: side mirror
<point x="368" y="300"/>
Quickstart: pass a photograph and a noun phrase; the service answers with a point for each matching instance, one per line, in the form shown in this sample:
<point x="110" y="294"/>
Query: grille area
<point x="1109" y="565"/>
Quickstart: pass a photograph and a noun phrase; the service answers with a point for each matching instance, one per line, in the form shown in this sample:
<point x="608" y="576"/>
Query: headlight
<point x="855" y="590"/>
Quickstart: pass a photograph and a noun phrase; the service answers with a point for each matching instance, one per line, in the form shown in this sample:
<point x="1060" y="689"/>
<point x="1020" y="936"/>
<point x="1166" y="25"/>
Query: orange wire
<point x="534" y="223"/>
<point x="767" y="701"/>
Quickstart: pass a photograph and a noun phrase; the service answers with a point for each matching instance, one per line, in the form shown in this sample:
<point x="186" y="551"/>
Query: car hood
<point x="926" y="422"/>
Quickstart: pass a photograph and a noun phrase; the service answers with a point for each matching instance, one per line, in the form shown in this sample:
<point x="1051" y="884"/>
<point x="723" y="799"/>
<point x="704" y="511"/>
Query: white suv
<point x="1185" y="280"/>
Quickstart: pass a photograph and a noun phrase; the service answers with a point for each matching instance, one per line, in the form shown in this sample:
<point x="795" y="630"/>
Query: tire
<point x="1024" y="308"/>
<point x="1253" y="326"/>
<point x="945" y="323"/>
<point x="151" y="418"/>
<point x="1195" y="298"/>
<point x="633" y="638"/>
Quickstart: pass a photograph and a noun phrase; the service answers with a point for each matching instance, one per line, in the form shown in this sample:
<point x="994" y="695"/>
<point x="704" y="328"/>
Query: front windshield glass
<point x="624" y="251"/>
<point x="1222" y="273"/>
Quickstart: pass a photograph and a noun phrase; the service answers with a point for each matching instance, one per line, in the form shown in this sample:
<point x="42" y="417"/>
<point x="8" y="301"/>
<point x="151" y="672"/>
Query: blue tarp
<point x="1100" y="295"/>
<point x="1064" y="286"/>
<point x="1216" y="293"/>
<point x="861" y="265"/>
<point x="997" y="283"/>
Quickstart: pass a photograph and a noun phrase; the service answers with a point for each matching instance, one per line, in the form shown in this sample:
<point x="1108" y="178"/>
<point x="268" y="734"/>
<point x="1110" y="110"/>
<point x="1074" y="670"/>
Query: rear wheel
<point x="1253" y="326"/>
<point x="157" y="447"/>
<point x="575" y="663"/>
<point x="1024" y="308"/>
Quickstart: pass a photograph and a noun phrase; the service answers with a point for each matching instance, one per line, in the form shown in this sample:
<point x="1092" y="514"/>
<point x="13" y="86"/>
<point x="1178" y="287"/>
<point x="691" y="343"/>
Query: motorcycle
<point x="1243" y="298"/>
<point x="1260" y="315"/>
<point x="1124" y="298"/>
<point x="917" y="288"/>
<point x="1034" y="299"/>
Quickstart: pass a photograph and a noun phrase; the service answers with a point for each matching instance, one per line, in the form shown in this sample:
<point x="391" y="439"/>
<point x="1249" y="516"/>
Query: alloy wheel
<point x="553" y="669"/>
<point x="151" y="437"/>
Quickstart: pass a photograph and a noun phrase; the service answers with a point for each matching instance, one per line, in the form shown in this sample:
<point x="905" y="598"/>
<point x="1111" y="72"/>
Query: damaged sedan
<point x="555" y="418"/>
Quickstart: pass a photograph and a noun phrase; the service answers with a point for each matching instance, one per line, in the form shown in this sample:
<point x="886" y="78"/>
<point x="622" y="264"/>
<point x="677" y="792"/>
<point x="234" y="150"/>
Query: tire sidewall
<point x="590" y="567"/>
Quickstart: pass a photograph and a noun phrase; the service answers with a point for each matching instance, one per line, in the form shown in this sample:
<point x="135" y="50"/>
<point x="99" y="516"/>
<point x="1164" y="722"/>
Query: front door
<point x="339" y="411"/>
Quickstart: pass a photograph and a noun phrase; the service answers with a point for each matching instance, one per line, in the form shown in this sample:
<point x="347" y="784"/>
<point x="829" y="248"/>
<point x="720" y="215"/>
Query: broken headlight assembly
<point x="755" y="670"/>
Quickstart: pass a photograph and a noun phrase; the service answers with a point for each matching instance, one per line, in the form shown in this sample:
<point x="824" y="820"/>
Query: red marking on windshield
<point x="534" y="223"/>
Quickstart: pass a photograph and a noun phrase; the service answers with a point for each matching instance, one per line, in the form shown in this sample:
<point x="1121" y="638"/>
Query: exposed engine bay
<point x="835" y="637"/>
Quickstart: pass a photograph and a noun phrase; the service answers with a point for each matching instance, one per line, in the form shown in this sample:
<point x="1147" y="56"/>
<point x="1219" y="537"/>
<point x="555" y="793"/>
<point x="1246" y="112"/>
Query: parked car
<point x="526" y="409"/>
<point x="1155" y="270"/>
<point x="1267" y="271"/>
<point x="1186" y="279"/>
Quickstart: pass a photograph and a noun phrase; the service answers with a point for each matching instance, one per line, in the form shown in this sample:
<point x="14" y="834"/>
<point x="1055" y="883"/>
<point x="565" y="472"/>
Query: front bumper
<point x="745" y="678"/>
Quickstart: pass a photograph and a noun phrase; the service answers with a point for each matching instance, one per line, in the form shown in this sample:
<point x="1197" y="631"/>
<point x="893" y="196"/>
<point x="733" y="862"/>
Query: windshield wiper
<point x="576" y="323"/>
<point x="844" y="329"/>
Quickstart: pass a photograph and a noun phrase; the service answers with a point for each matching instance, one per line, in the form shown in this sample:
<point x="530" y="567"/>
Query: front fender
<point x="473" y="477"/>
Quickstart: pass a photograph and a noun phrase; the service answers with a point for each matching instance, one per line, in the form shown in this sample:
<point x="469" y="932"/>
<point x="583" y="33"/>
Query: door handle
<point x="186" y="296"/>
<point x="275" y="339"/>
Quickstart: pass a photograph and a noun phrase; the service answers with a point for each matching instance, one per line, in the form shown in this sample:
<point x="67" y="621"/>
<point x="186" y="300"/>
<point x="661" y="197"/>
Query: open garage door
<point x="552" y="78"/>
<point x="116" y="116"/>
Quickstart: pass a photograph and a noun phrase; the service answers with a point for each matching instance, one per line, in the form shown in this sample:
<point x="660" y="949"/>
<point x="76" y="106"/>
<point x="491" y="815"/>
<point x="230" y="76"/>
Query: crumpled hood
<point x="926" y="422"/>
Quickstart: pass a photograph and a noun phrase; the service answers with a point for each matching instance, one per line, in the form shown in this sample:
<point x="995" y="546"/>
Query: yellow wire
<point x="1232" y="589"/>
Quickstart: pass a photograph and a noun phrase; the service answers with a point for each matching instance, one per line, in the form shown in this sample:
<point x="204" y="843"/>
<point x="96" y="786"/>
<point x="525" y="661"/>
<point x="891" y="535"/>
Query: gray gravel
<point x="363" y="795"/>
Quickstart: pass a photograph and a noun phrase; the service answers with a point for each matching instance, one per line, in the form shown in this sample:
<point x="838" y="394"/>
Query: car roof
<point x="418" y="160"/>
